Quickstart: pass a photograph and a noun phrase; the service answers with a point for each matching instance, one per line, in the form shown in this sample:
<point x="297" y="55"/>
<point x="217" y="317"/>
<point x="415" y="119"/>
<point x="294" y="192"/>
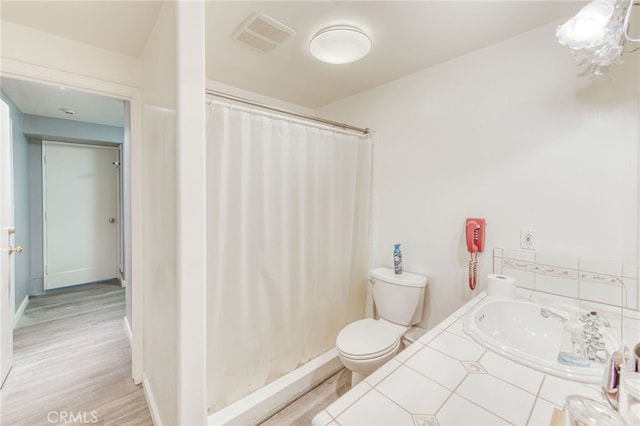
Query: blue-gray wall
<point x="35" y="217"/>
<point x="56" y="129"/>
<point x="21" y="202"/>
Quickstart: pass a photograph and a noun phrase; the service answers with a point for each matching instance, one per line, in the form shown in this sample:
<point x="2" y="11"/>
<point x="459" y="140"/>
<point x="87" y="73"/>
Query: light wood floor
<point x="72" y="362"/>
<point x="72" y="365"/>
<point x="301" y="411"/>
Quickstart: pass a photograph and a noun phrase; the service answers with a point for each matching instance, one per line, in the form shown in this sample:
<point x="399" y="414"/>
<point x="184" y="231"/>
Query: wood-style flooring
<point x="72" y="362"/>
<point x="72" y="365"/>
<point x="301" y="411"/>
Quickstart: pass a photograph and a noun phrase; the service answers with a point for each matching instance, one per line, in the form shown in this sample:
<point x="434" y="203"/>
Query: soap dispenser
<point x="572" y="350"/>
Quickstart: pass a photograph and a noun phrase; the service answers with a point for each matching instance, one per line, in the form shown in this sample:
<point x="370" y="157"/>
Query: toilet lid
<point x="367" y="337"/>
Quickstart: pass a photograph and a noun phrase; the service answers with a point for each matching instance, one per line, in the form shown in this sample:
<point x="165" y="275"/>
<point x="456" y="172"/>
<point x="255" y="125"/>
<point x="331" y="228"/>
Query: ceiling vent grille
<point x="262" y="32"/>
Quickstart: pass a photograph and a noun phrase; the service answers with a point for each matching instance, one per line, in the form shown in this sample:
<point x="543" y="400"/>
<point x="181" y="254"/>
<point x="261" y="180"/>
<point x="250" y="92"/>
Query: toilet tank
<point x="398" y="298"/>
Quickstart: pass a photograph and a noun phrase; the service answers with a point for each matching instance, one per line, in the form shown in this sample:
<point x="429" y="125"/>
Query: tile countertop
<point x="445" y="378"/>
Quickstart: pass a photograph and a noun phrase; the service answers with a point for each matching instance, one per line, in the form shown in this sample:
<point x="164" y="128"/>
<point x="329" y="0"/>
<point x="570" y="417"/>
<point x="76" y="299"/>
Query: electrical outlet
<point x="528" y="238"/>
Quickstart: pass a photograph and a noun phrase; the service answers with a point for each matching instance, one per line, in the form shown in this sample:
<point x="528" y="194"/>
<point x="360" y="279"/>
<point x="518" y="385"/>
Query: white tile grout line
<point x="394" y="401"/>
<point x="542" y="398"/>
<point x="506" y="381"/>
<point x="537" y="395"/>
<point x="352" y="402"/>
<point x="575" y="298"/>
<point x="455" y="391"/>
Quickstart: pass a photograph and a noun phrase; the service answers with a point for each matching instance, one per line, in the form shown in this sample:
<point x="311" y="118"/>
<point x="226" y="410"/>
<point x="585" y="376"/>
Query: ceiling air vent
<point x="261" y="32"/>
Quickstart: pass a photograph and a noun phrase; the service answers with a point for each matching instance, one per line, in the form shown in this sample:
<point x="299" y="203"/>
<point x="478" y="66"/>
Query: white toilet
<point x="365" y="345"/>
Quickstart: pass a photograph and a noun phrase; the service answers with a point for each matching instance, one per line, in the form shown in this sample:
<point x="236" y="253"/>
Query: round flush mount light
<point x="340" y="44"/>
<point x="67" y="111"/>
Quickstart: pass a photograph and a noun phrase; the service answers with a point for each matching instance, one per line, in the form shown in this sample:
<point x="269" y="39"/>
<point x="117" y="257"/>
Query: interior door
<point x="6" y="230"/>
<point x="80" y="213"/>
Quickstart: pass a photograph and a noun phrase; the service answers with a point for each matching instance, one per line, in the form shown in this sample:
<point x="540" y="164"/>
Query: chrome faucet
<point x="546" y="313"/>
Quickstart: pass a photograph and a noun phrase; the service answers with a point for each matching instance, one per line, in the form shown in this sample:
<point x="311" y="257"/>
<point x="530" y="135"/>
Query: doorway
<point x="93" y="91"/>
<point x="81" y="223"/>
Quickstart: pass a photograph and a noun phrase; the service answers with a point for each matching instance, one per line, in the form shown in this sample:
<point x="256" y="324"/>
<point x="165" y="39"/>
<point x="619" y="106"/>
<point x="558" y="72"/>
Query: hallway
<point x="72" y="362"/>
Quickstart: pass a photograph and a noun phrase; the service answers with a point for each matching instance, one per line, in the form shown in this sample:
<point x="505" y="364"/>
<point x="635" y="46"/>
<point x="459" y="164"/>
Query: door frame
<point x="24" y="71"/>
<point x="12" y="281"/>
<point x="45" y="201"/>
<point x="8" y="326"/>
<point x="119" y="218"/>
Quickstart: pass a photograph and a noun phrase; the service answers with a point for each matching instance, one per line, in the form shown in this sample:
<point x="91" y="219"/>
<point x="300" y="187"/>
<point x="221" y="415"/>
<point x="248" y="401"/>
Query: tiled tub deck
<point x="445" y="378"/>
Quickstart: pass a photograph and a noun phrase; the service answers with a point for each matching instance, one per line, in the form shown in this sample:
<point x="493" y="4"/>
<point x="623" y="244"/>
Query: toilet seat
<point x="368" y="339"/>
<point x="368" y="357"/>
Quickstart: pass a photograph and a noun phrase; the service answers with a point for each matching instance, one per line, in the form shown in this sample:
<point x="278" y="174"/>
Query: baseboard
<point x="20" y="311"/>
<point x="151" y="401"/>
<point x="127" y="329"/>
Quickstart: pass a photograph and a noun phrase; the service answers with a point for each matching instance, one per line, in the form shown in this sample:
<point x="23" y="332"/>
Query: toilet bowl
<point x="365" y="345"/>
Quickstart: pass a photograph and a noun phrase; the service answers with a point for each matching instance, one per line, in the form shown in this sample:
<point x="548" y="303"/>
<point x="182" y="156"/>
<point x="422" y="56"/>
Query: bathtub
<point x="516" y="329"/>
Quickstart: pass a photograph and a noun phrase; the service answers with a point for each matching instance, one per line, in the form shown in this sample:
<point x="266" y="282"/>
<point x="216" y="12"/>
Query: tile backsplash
<point x="601" y="281"/>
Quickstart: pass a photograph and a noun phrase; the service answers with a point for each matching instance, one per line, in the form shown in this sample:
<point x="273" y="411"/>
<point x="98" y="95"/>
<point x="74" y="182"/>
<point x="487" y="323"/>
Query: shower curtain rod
<point x="287" y="112"/>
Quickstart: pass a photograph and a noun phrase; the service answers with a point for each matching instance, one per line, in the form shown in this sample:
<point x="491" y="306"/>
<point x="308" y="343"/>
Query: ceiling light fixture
<point x="586" y="29"/>
<point x="597" y="35"/>
<point x="67" y="111"/>
<point x="340" y="44"/>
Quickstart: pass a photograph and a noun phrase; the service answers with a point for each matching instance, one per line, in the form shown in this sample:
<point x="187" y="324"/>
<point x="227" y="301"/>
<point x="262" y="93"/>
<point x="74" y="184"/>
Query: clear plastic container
<point x="583" y="411"/>
<point x="572" y="350"/>
<point x="629" y="398"/>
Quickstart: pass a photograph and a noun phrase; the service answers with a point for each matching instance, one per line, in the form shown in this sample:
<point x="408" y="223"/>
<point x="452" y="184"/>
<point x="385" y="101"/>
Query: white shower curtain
<point x="287" y="233"/>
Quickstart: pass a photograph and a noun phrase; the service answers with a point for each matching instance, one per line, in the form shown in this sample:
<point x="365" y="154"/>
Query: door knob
<point x="112" y="220"/>
<point x="15" y="250"/>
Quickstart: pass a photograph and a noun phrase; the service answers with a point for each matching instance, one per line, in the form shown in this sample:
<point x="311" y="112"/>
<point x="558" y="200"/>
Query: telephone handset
<point x="475" y="244"/>
<point x="475" y="235"/>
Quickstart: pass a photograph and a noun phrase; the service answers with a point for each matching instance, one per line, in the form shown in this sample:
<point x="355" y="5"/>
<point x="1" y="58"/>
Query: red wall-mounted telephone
<point x="474" y="230"/>
<point x="475" y="235"/>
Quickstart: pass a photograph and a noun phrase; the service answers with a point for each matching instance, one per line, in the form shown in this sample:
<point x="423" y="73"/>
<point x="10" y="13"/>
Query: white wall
<point x="159" y="233"/>
<point x="192" y="214"/>
<point x="174" y="382"/>
<point x="173" y="239"/>
<point x="31" y="46"/>
<point x="508" y="133"/>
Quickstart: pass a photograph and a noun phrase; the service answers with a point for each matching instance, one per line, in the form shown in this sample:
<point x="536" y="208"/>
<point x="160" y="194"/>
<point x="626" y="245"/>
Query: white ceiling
<point x="115" y="25"/>
<point x="46" y="100"/>
<point x="407" y="36"/>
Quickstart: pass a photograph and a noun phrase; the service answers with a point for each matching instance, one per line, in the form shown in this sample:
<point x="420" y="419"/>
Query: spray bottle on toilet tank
<point x="397" y="259"/>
